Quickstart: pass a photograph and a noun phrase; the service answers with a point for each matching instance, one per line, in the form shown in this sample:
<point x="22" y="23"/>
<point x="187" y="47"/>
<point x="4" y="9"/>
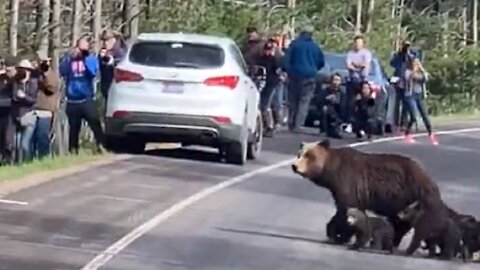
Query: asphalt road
<point x="182" y="209"/>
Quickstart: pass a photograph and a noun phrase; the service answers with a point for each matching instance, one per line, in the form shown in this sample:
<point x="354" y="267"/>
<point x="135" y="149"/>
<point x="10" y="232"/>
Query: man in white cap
<point x="302" y="61"/>
<point x="25" y="88"/>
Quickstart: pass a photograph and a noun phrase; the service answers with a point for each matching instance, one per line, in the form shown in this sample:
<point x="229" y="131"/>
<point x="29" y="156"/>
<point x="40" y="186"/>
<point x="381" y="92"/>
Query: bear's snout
<point x="294" y="168"/>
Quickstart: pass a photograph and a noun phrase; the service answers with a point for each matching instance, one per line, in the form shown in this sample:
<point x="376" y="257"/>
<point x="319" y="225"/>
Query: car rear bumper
<point x="173" y="128"/>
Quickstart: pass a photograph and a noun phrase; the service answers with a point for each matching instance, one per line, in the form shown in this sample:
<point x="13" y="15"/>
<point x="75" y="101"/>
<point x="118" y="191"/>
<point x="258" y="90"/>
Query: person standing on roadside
<point x="24" y="91"/>
<point x="400" y="62"/>
<point x="112" y="52"/>
<point x="79" y="69"/>
<point x="358" y="62"/>
<point x="415" y="78"/>
<point x="273" y="66"/>
<point x="7" y="127"/>
<point x="48" y="98"/>
<point x="276" y="105"/>
<point x="302" y="61"/>
<point x="252" y="47"/>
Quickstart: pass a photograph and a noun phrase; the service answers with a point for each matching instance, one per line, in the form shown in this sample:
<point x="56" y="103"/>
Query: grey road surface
<point x="270" y="219"/>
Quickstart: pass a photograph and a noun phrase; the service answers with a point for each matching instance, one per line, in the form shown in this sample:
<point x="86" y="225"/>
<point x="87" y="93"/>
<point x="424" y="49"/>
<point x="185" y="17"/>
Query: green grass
<point x="458" y="117"/>
<point x="11" y="173"/>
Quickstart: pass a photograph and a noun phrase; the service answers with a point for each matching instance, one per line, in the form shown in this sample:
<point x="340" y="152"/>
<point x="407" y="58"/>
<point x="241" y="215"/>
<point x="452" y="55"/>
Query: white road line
<point x="117" y="198"/>
<point x="13" y="202"/>
<point x="105" y="256"/>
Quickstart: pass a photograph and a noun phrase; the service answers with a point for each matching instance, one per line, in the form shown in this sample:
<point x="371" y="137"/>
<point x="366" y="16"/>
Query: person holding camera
<point x="359" y="60"/>
<point x="365" y="120"/>
<point x="330" y="103"/>
<point x="112" y="52"/>
<point x="79" y="69"/>
<point x="7" y="126"/>
<point x="415" y="78"/>
<point x="399" y="62"/>
<point x="25" y="89"/>
<point x="271" y="61"/>
<point x="48" y="97"/>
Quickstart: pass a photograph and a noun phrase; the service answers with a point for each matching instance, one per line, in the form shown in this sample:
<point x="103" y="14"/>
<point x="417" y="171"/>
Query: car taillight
<point x="221" y="119"/>
<point x="226" y="81"/>
<point x="122" y="75"/>
<point x="120" y="114"/>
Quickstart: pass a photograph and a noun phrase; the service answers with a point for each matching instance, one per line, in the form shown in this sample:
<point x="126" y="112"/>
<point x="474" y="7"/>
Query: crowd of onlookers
<point x="30" y="96"/>
<point x="30" y="93"/>
<point x="291" y="78"/>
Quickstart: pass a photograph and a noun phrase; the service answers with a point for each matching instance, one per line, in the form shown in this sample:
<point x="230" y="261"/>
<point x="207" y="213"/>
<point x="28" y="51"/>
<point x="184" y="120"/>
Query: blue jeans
<point x="413" y="104"/>
<point x="42" y="136"/>
<point x="277" y="103"/>
<point x="24" y="142"/>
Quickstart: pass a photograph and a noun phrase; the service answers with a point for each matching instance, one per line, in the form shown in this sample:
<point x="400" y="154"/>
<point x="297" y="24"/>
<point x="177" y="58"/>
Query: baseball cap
<point x="25" y="63"/>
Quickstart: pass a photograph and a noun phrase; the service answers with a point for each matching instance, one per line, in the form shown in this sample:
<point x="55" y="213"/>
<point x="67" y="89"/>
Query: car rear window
<point x="177" y="54"/>
<point x="339" y="62"/>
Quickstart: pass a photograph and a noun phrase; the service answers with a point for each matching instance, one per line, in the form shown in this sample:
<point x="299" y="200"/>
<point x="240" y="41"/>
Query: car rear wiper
<point x="186" y="65"/>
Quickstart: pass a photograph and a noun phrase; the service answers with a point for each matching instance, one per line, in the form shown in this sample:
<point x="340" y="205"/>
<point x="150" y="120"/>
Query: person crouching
<point x="364" y="112"/>
<point x="330" y="103"/>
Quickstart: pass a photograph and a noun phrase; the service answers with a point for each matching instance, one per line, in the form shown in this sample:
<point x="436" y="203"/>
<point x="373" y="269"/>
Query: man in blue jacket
<point x="79" y="69"/>
<point x="303" y="59"/>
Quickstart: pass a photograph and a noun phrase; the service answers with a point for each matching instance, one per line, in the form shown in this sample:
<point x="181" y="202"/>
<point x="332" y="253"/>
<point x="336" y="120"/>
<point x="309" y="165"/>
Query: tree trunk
<point x="43" y="40"/>
<point x="358" y="22"/>
<point x="56" y="33"/>
<point x="371" y="9"/>
<point x="77" y="20"/>
<point x="445" y="28"/>
<point x="133" y="18"/>
<point x="3" y="16"/>
<point x="399" y="24"/>
<point x="13" y="40"/>
<point x="465" y="23"/>
<point x="97" y="23"/>
<point x="474" y="21"/>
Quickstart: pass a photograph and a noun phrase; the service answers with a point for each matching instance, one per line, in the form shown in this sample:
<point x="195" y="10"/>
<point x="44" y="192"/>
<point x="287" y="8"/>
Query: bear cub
<point x="434" y="226"/>
<point x="374" y="230"/>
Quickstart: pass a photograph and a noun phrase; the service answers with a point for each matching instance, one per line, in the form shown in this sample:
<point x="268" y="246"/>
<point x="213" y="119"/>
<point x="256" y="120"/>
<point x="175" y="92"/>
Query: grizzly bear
<point x="374" y="230"/>
<point x="470" y="230"/>
<point x="383" y="183"/>
<point x="433" y="224"/>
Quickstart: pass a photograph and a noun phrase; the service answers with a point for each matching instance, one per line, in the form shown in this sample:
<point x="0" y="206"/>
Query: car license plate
<point x="173" y="88"/>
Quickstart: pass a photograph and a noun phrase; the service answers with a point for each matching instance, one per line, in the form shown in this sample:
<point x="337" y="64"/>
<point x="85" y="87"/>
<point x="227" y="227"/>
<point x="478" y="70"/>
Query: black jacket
<point x="23" y="105"/>
<point x="5" y="93"/>
<point x="273" y="65"/>
<point x="365" y="108"/>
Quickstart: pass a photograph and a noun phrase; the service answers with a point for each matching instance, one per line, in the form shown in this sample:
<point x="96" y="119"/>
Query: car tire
<point x="115" y="144"/>
<point x="121" y="145"/>
<point x="236" y="152"/>
<point x="255" y="145"/>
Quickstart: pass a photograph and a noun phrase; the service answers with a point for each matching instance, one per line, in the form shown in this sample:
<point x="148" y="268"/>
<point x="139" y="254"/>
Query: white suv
<point x="187" y="88"/>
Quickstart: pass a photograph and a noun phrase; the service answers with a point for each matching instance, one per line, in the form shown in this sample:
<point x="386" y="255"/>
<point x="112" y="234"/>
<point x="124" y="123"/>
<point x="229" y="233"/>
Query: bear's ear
<point x="325" y="143"/>
<point x="302" y="145"/>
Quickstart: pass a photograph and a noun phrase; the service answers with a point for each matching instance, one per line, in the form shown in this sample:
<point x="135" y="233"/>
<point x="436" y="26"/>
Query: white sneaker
<point x="349" y="129"/>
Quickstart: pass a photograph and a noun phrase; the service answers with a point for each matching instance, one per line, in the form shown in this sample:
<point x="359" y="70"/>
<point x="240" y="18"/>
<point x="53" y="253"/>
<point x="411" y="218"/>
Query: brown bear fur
<point x="383" y="183"/>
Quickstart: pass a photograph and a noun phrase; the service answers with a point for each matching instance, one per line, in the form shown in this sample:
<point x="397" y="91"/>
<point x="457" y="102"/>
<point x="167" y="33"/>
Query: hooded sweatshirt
<point x="303" y="58"/>
<point x="79" y="73"/>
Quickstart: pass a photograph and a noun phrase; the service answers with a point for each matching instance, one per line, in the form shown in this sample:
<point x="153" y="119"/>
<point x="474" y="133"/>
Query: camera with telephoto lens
<point x="371" y="102"/>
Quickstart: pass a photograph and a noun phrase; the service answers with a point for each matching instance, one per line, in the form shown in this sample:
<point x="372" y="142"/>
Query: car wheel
<point x="114" y="144"/>
<point x="236" y="152"/>
<point x="255" y="145"/>
<point x="123" y="145"/>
